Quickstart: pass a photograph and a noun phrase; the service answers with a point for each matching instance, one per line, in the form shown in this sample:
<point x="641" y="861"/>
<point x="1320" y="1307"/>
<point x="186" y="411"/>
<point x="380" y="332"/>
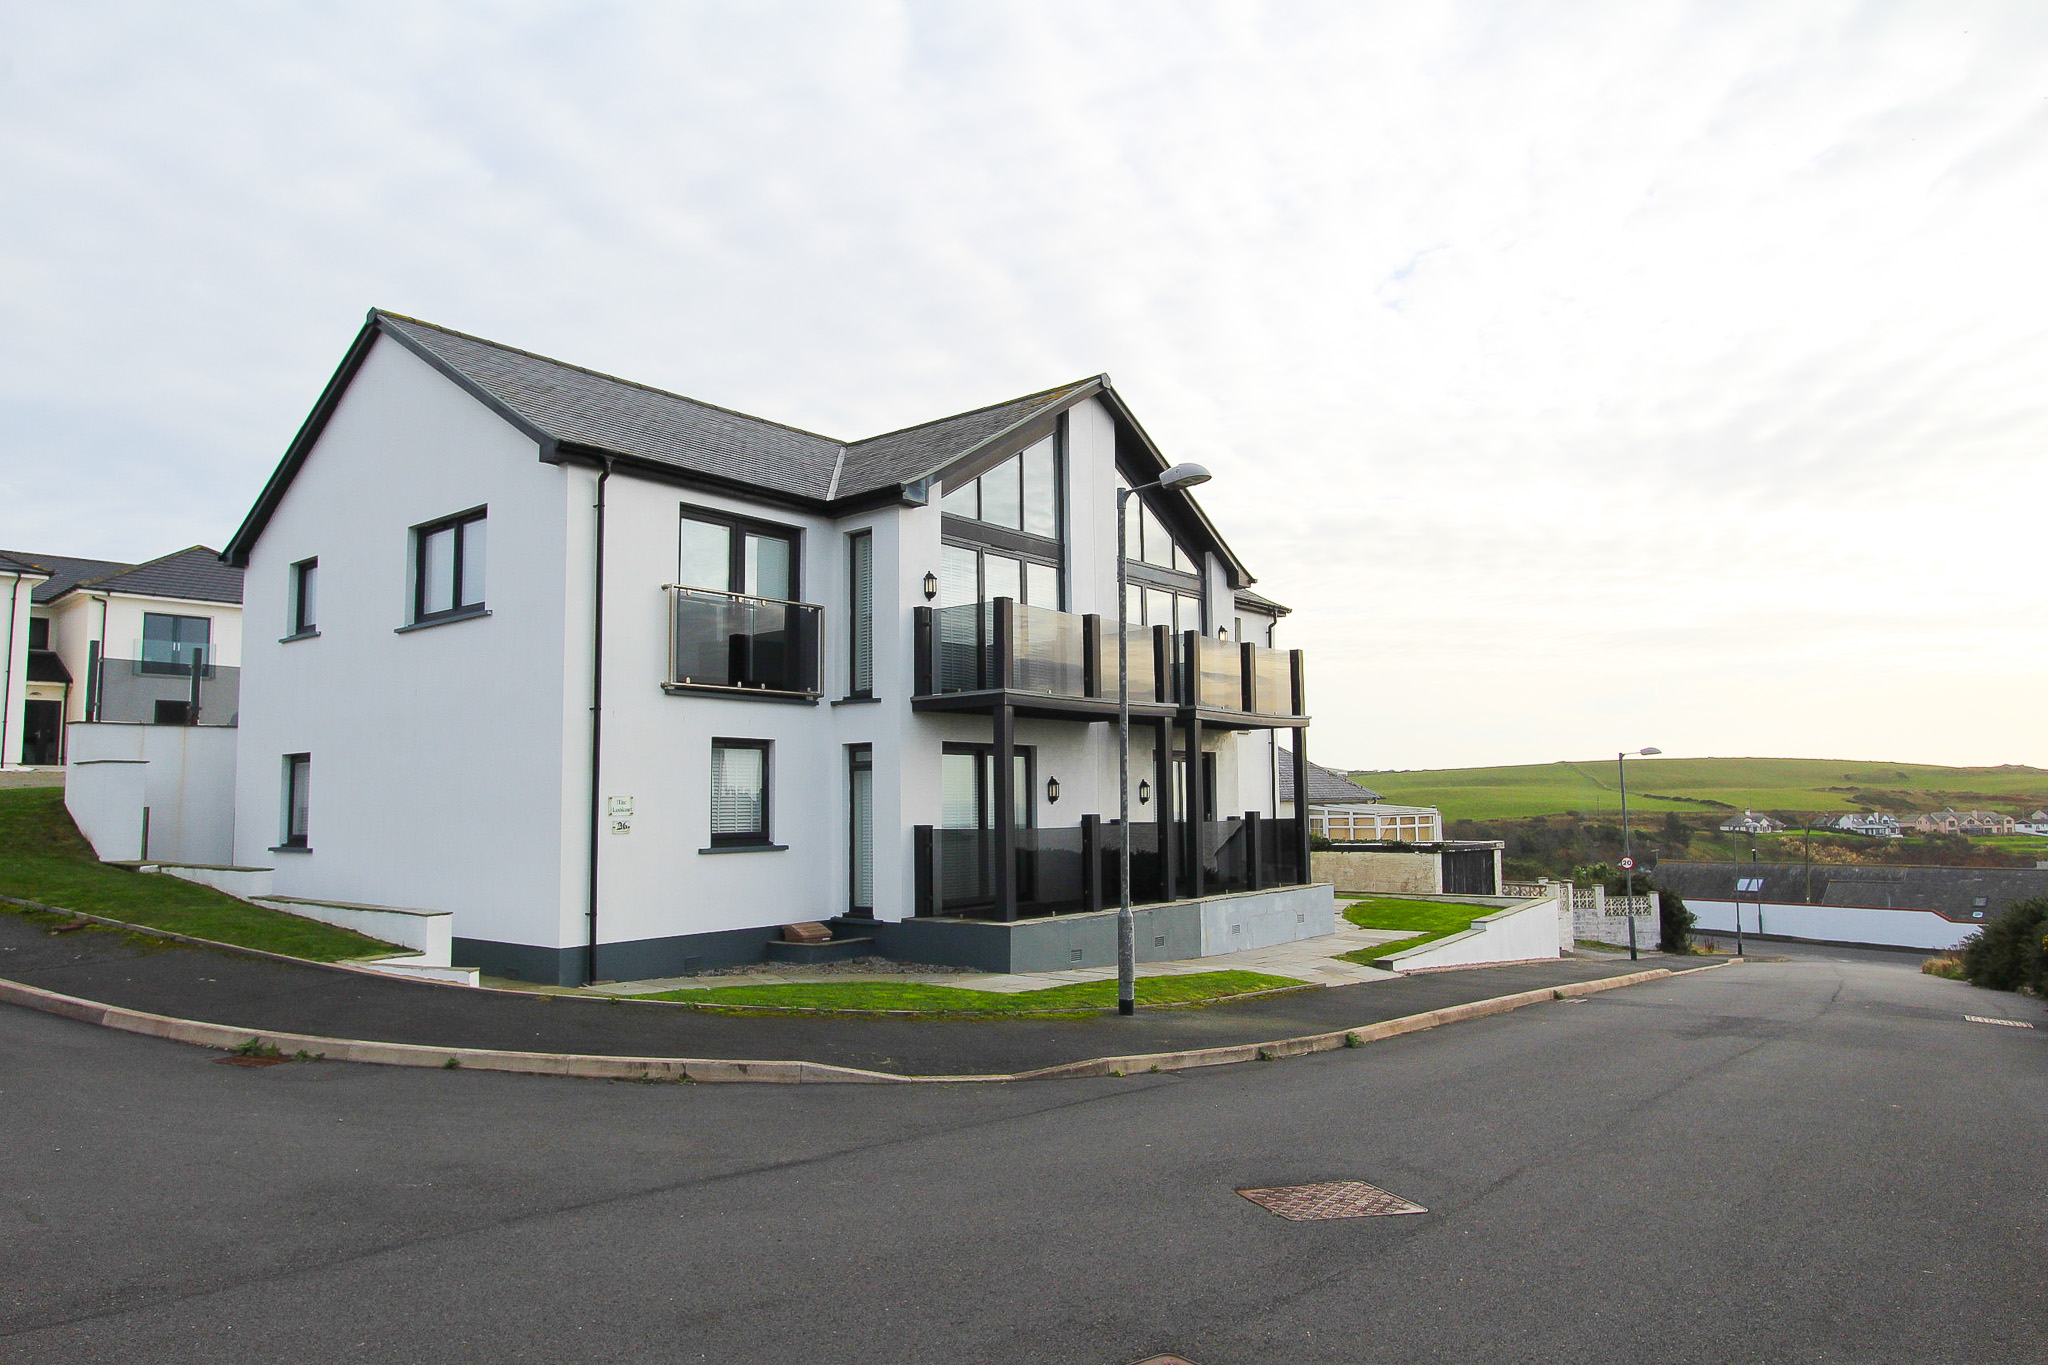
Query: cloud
<point x="1568" y="369"/>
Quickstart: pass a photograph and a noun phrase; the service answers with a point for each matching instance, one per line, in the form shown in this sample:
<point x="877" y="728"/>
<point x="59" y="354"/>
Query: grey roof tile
<point x="1326" y="786"/>
<point x="66" y="571"/>
<point x="899" y="457"/>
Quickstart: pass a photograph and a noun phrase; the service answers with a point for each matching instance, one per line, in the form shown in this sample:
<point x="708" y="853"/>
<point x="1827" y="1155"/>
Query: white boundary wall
<point x="182" y="774"/>
<point x="1836" y="924"/>
<point x="1522" y="931"/>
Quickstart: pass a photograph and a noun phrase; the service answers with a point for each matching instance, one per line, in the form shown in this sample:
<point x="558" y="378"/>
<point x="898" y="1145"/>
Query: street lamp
<point x="1179" y="476"/>
<point x="1628" y="862"/>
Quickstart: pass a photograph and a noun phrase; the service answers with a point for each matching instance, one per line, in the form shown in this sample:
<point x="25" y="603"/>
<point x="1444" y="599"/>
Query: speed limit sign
<point x="1628" y="864"/>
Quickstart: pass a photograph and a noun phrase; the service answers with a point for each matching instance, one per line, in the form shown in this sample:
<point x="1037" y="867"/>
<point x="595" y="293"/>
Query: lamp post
<point x="1179" y="476"/>
<point x="1628" y="861"/>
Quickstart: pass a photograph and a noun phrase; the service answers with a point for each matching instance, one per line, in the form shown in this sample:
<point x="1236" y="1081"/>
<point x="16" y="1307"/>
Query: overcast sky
<point x="1585" y="376"/>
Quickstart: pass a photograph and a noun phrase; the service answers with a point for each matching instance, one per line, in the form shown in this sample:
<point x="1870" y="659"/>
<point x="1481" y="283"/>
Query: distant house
<point x="2037" y="823"/>
<point x="1966" y="822"/>
<point x="1876" y="826"/>
<point x="95" y="639"/>
<point x="1345" y="811"/>
<point x="1749" y="822"/>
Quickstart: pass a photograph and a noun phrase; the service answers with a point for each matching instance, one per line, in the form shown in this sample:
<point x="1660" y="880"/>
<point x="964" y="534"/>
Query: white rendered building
<point x="627" y="682"/>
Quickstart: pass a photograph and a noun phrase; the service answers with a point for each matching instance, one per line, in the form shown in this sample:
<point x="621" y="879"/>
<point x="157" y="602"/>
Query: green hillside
<point x="1705" y="785"/>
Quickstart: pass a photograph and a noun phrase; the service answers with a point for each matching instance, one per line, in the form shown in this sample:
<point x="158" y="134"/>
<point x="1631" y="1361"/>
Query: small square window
<point x="739" y="791"/>
<point x="448" y="566"/>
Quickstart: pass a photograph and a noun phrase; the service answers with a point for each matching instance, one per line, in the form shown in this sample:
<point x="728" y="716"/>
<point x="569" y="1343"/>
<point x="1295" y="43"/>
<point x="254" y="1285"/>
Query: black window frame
<point x="423" y="532"/>
<point x="304" y="623"/>
<point x="859" y="758"/>
<point x="174" y="666"/>
<point x="860" y="616"/>
<point x="763" y="837"/>
<point x="297" y="768"/>
<point x="736" y="566"/>
<point x="972" y="533"/>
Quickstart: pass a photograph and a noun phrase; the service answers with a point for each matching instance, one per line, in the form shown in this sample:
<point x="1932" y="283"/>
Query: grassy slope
<point x="1430" y="919"/>
<point x="912" y="995"/>
<point x="1742" y="783"/>
<point x="44" y="858"/>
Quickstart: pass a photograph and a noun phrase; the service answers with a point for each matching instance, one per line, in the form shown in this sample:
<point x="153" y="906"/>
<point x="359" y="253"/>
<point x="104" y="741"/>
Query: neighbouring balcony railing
<point x="1074" y="869"/>
<point x="164" y="687"/>
<point x="750" y="644"/>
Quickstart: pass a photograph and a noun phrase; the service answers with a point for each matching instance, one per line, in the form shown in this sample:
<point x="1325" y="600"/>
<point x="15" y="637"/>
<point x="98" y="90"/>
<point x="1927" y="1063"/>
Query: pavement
<point x="1315" y="961"/>
<point x="270" y="996"/>
<point x="1803" y="1161"/>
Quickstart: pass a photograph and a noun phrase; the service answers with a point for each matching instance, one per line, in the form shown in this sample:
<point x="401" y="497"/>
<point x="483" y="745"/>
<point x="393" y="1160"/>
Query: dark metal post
<point x="1162" y="792"/>
<point x="95" y="666"/>
<point x="1248" y="675"/>
<point x="1299" y="687"/>
<point x="1198" y="806"/>
<point x="1004" y="610"/>
<point x="1005" y="778"/>
<point x="921" y="627"/>
<point x="1255" y="863"/>
<point x="198" y="671"/>
<point x="922" y="843"/>
<point x="1091" y="862"/>
<point x="1091" y="655"/>
<point x="1162" y="664"/>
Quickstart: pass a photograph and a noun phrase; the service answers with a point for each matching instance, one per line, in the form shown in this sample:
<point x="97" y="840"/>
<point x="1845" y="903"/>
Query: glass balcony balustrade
<point x="166" y="684"/>
<point x="753" y="644"/>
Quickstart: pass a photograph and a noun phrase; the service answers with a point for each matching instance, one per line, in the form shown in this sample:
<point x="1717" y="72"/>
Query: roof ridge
<point x="986" y="407"/>
<point x="600" y="374"/>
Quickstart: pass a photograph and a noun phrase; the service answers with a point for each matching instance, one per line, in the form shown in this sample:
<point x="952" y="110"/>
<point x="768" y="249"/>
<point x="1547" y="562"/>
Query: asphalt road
<point x="1799" y="1162"/>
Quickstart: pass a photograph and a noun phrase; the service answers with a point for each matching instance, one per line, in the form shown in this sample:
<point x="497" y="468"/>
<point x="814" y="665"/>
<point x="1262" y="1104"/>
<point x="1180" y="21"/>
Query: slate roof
<point x="65" y="571"/>
<point x="1948" y="891"/>
<point x="1258" y="601"/>
<point x="902" y="456"/>
<point x="1326" y="786"/>
<point x="195" y="574"/>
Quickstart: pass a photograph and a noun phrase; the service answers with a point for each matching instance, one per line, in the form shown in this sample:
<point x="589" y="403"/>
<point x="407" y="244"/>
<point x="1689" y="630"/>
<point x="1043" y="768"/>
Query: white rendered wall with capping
<point x="183" y="775"/>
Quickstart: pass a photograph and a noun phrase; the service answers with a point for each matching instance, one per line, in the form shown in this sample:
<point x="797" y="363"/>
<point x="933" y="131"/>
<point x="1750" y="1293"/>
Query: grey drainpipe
<point x="7" y="690"/>
<point x="596" y="724"/>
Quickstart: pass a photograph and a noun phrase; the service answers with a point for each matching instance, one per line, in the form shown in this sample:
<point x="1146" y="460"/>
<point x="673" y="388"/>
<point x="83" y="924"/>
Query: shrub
<point x="1674" y="922"/>
<point x="2009" y="953"/>
<point x="1948" y="966"/>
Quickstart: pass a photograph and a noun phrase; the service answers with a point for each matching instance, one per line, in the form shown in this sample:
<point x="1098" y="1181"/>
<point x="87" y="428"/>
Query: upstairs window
<point x="860" y="613"/>
<point x="1020" y="494"/>
<point x="169" y="643"/>
<point x="305" y="599"/>
<point x="448" y="567"/>
<point x="733" y="554"/>
<point x="39" y="632"/>
<point x="1146" y="539"/>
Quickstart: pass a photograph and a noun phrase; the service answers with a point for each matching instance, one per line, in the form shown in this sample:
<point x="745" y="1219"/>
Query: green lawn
<point x="1431" y="920"/>
<point x="915" y="996"/>
<point x="1655" y="784"/>
<point x="44" y="858"/>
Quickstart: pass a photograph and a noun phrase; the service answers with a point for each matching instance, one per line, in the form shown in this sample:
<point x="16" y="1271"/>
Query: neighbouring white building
<point x="1752" y="822"/>
<point x="1874" y="825"/>
<point x="626" y="682"/>
<point x="126" y="644"/>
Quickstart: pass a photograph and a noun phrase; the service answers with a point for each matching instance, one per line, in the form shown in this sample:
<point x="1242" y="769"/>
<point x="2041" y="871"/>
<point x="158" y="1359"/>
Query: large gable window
<point x="1020" y="494"/>
<point x="1146" y="539"/>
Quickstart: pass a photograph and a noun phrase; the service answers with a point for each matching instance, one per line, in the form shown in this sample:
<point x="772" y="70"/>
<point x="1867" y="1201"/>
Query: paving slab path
<point x="267" y="995"/>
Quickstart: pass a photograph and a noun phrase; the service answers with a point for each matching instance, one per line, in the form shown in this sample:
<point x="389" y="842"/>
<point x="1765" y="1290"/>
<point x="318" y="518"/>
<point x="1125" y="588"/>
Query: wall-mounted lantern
<point x="1052" y="791"/>
<point x="931" y="586"/>
<point x="1144" y="792"/>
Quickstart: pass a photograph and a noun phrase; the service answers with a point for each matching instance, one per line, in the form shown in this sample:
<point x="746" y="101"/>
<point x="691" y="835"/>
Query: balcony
<point x="164" y="684"/>
<point x="1044" y="662"/>
<point x="728" y="643"/>
<point x="1074" y="870"/>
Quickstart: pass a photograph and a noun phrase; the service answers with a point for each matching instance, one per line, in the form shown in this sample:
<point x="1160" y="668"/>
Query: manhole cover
<point x="2008" y="1023"/>
<point x="1333" y="1199"/>
<point x="243" y="1060"/>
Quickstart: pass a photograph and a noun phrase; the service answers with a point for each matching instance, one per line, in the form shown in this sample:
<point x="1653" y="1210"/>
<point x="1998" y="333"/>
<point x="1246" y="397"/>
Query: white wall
<point x="15" y="591"/>
<point x="437" y="755"/>
<point x="183" y="774"/>
<point x="1518" y="933"/>
<point x="1836" y="923"/>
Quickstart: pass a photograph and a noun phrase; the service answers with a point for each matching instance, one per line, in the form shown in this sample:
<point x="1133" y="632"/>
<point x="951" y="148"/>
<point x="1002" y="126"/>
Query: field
<point x="1703" y="786"/>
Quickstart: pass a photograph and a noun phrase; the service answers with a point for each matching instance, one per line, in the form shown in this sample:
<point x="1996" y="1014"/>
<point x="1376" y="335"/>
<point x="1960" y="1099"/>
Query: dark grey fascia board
<point x="891" y="495"/>
<point x="244" y="539"/>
